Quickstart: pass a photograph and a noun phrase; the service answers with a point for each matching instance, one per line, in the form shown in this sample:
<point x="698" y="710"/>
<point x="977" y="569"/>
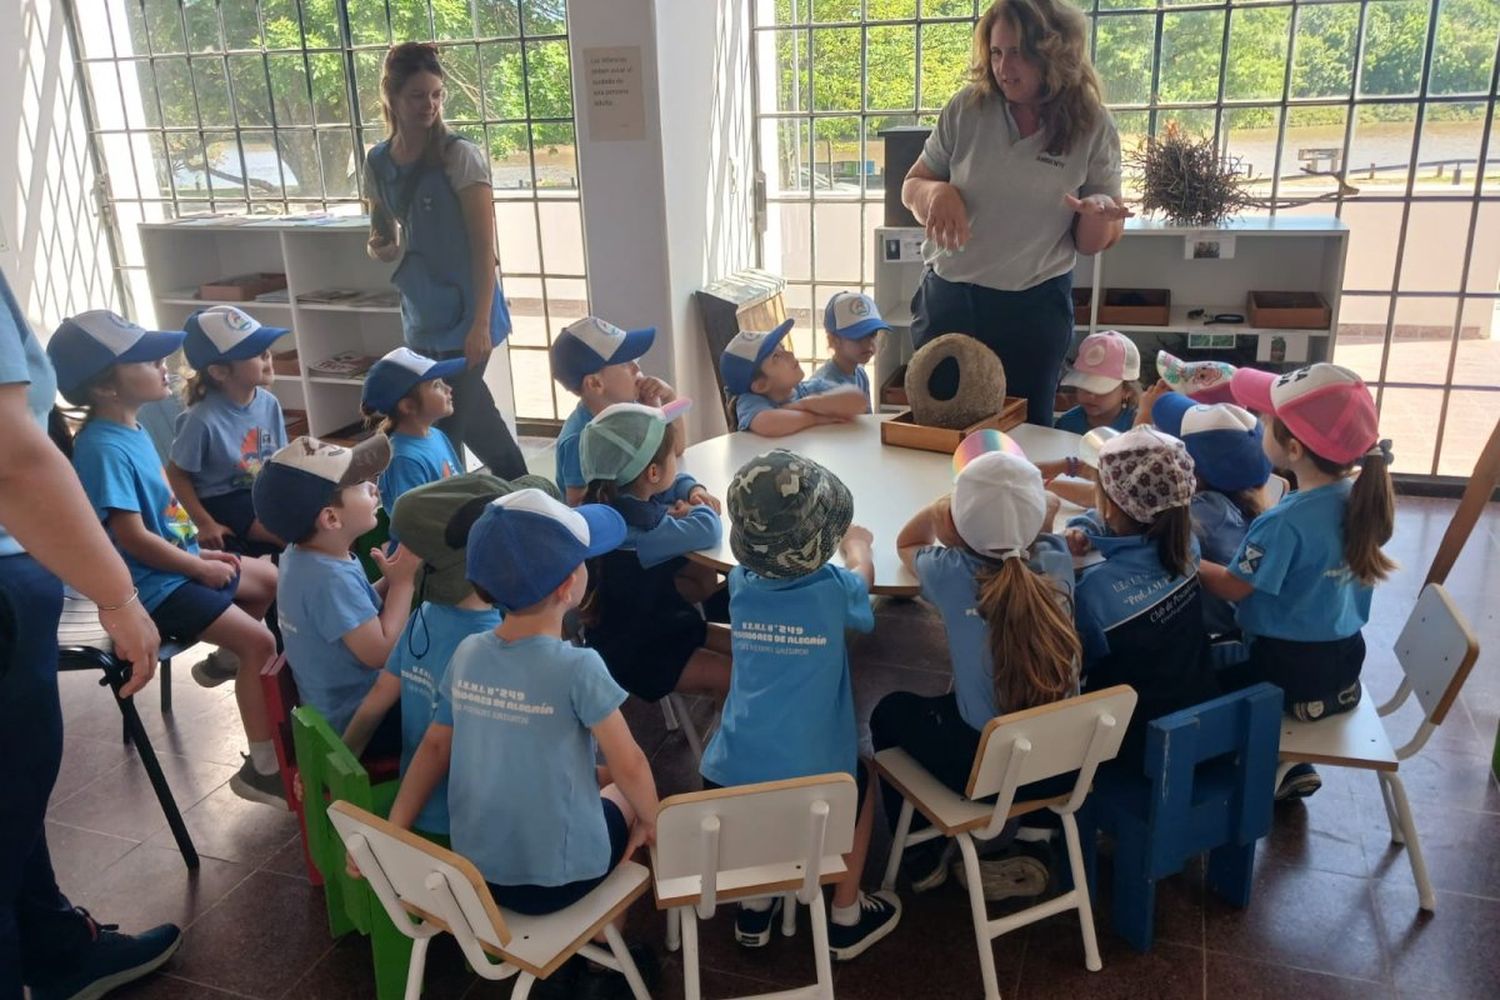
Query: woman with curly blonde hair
<point x="1021" y="174"/>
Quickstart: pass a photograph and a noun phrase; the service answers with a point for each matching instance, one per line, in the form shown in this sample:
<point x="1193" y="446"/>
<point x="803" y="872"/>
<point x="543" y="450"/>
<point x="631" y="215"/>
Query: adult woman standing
<point x="47" y="527"/>
<point x="437" y="186"/>
<point x="1021" y="173"/>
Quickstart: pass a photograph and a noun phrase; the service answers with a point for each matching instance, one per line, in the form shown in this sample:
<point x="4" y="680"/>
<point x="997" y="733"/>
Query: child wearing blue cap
<point x="412" y="394"/>
<point x="519" y="712"/>
<point x="639" y="611"/>
<point x="113" y="367"/>
<point x="233" y="424"/>
<point x="852" y="323"/>
<point x="599" y="363"/>
<point x="771" y="396"/>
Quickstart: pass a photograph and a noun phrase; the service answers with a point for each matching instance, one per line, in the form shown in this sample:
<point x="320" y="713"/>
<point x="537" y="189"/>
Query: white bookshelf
<point x="314" y="253"/>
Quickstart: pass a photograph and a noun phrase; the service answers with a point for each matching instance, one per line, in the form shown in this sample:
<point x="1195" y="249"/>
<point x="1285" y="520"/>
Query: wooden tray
<point x="1288" y="310"/>
<point x="893" y="393"/>
<point x="243" y="287"/>
<point x="902" y="432"/>
<point x="1135" y="307"/>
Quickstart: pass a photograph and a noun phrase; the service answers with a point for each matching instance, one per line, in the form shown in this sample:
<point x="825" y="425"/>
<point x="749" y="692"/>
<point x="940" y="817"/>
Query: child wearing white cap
<point x="233" y="424"/>
<point x="853" y="326"/>
<point x="1003" y="587"/>
<point x="412" y="394"/>
<point x="113" y="367"/>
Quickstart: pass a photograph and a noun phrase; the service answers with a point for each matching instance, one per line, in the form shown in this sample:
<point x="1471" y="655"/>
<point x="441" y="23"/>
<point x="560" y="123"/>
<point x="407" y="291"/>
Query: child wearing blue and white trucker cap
<point x="520" y="711"/>
<point x="413" y="394"/>
<point x="771" y="398"/>
<point x="851" y="322"/>
<point x="86" y="346"/>
<point x="220" y="335"/>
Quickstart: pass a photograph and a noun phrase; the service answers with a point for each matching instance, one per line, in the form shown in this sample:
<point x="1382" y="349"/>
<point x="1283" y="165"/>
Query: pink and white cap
<point x="1104" y="361"/>
<point x="1326" y="407"/>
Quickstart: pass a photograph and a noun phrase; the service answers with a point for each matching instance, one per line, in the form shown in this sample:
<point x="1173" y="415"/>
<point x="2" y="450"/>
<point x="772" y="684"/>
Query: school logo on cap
<point x="859" y="307"/>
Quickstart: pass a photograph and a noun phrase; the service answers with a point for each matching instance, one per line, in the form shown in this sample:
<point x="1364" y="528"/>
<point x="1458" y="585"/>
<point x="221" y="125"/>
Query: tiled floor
<point x="1334" y="912"/>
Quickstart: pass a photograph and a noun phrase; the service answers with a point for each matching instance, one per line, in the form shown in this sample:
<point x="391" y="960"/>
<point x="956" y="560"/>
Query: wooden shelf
<point x="176" y="300"/>
<point x="346" y="308"/>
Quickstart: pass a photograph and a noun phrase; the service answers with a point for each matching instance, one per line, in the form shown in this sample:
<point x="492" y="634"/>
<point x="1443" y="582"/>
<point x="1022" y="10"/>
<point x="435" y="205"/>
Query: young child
<point x="1224" y="441"/>
<point x="320" y="497"/>
<point x="597" y="362"/>
<point x="790" y="711"/>
<point x="1140" y="611"/>
<point x="1303" y="577"/>
<point x="1106" y="374"/>
<point x="771" y="397"/>
<point x="852" y="323"/>
<point x="1004" y="590"/>
<point x="411" y="393"/>
<point x="434" y="521"/>
<point x="636" y="613"/>
<point x="113" y="367"/>
<point x="518" y="715"/>
<point x="232" y="425"/>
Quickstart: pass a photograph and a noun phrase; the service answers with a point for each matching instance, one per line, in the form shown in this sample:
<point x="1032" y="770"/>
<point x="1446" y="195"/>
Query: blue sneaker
<point x="1300" y="781"/>
<point x="752" y="928"/>
<point x="111" y="961"/>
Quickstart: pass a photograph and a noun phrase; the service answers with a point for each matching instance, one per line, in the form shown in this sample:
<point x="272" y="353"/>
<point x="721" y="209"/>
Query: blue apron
<point x="437" y="289"/>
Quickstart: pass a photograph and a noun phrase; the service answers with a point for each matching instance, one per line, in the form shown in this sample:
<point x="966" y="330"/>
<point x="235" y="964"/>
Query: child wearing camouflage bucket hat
<point x="790" y="710"/>
<point x="638" y="612"/>
<point x="434" y="521"/>
<point x="1140" y="611"/>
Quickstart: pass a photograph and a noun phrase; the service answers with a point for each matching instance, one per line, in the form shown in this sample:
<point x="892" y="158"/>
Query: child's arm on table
<point x="788" y="420"/>
<point x="372" y="641"/>
<point x="933" y="523"/>
<point x="858" y="558"/>
<point x="371" y="711"/>
<point x="632" y="776"/>
<point x="844" y="401"/>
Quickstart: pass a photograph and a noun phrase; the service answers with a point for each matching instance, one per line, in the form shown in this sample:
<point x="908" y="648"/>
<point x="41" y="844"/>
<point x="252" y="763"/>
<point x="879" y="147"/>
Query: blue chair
<point x="1206" y="785"/>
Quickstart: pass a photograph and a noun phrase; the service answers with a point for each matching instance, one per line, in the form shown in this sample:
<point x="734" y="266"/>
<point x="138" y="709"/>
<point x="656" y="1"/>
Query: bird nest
<point x="1188" y="180"/>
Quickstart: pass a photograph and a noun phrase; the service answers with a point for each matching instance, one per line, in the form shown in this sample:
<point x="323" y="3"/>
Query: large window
<point x="269" y="105"/>
<point x="1380" y="109"/>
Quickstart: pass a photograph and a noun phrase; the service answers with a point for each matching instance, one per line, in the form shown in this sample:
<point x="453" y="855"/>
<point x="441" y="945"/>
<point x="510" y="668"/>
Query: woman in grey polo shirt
<point x="1021" y="173"/>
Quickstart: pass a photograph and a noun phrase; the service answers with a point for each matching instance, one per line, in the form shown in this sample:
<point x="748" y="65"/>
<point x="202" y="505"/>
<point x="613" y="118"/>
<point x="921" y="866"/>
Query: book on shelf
<point x="386" y="298"/>
<point x="281" y="295"/>
<point x="329" y="296"/>
<point x="345" y="364"/>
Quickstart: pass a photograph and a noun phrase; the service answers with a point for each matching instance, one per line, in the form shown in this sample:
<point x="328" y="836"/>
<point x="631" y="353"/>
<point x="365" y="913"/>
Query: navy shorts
<point x="191" y="608"/>
<point x="236" y="511"/>
<point x="535" y="900"/>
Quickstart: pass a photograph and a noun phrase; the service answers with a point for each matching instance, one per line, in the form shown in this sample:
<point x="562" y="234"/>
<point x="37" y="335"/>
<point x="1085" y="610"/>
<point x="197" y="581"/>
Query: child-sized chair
<point x="752" y="841"/>
<point x="1436" y="650"/>
<point x="1077" y="734"/>
<point x="1207" y="785"/>
<point x="414" y="878"/>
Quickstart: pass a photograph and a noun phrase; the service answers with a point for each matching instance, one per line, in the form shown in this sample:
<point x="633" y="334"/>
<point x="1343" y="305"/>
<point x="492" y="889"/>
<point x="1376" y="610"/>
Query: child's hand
<point x="857" y="535"/>
<point x="1054" y="504"/>
<point x="384" y="250"/>
<point x="1158" y="389"/>
<point x="212" y="535"/>
<point x="398" y="568"/>
<point x="216" y="569"/>
<point x="643" y="834"/>
<point x="350" y="868"/>
<point x="1078" y="542"/>
<point x="700" y="497"/>
<point x="652" y="391"/>
<point x="679" y="508"/>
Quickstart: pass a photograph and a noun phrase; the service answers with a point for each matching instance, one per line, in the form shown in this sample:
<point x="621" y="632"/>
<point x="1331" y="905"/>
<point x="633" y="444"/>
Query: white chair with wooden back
<point x="444" y="892"/>
<point x="1077" y="734"/>
<point x="751" y="841"/>
<point x="1436" y="650"/>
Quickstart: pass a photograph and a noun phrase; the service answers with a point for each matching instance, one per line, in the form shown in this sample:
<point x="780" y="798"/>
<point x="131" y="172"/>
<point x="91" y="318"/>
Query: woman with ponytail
<point x="1304" y="575"/>
<point x="1004" y="592"/>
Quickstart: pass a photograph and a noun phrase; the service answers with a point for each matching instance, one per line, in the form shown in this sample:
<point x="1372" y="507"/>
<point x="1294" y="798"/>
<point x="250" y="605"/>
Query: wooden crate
<point x="1081" y="299"/>
<point x="286" y="363"/>
<point x="242" y="287"/>
<point x="1288" y="310"/>
<point x="902" y="432"/>
<point x="893" y="393"/>
<point x="1135" y="307"/>
<point x="296" y="422"/>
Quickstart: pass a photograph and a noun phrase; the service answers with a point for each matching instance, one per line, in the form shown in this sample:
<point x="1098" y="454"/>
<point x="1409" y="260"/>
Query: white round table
<point x="888" y="484"/>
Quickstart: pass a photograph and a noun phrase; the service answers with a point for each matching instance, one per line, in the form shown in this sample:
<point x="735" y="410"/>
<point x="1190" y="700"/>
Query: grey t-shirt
<point x="1020" y="227"/>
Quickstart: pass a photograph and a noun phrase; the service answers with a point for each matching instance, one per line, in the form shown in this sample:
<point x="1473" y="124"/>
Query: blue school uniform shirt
<point x="420" y="661"/>
<point x="1293" y="555"/>
<point x="655" y="537"/>
<point x="222" y="446"/>
<point x="834" y="375"/>
<point x="320" y="598"/>
<point x="523" y="801"/>
<point x="948" y="578"/>
<point x="569" y="465"/>
<point x="1219" y="527"/>
<point x="22" y="360"/>
<point x="1075" y="421"/>
<point x="120" y="470"/>
<point x="790" y="710"/>
<point x="416" y="461"/>
<point x="747" y="405"/>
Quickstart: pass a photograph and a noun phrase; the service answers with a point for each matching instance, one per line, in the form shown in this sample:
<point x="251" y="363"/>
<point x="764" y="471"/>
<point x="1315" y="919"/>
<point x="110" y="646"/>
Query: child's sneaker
<point x="879" y="913"/>
<point x="214" y="669"/>
<point x="1300" y="781"/>
<point x="752" y="928"/>
<point x="1014" y="874"/>
<point x="248" y="783"/>
<point x="112" y="960"/>
<point x="925" y="865"/>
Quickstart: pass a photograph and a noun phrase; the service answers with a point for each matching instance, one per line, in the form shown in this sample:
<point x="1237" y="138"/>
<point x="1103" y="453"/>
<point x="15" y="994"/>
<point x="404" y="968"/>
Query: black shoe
<point x="752" y="928"/>
<point x="248" y="783"/>
<point x="879" y="913"/>
<point x="595" y="982"/>
<point x="111" y="960"/>
<point x="925" y="865"/>
<point x="1300" y="781"/>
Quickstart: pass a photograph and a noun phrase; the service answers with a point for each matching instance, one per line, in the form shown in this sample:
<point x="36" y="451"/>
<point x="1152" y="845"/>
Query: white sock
<point x="847" y="916"/>
<point x="758" y="905"/>
<point x="1034" y="834"/>
<point x="263" y="756"/>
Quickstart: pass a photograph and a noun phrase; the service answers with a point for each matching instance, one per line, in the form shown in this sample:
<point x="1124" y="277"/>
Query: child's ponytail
<point x="1172" y="531"/>
<point x="1034" y="645"/>
<point x="1370" y="518"/>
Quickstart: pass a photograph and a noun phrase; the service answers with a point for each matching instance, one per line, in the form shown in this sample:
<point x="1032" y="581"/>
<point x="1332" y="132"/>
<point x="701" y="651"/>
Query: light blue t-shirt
<point x="523" y="800"/>
<point x="1075" y="421"/>
<point x="420" y="660"/>
<point x="416" y="461"/>
<point x="23" y="360"/>
<point x="948" y="578"/>
<point x="834" y="375"/>
<point x="319" y="599"/>
<point x="748" y="405"/>
<point x="222" y="446"/>
<point x="569" y="464"/>
<point x="1293" y="555"/>
<point x="120" y="470"/>
<point x="790" y="710"/>
<point x="1219" y="527"/>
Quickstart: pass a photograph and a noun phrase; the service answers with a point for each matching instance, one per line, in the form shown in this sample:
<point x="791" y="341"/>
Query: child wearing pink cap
<point x="1303" y="577"/>
<point x="1106" y="375"/>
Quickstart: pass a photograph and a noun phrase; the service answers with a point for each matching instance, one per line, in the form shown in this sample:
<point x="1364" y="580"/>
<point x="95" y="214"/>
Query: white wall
<point x="53" y="246"/>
